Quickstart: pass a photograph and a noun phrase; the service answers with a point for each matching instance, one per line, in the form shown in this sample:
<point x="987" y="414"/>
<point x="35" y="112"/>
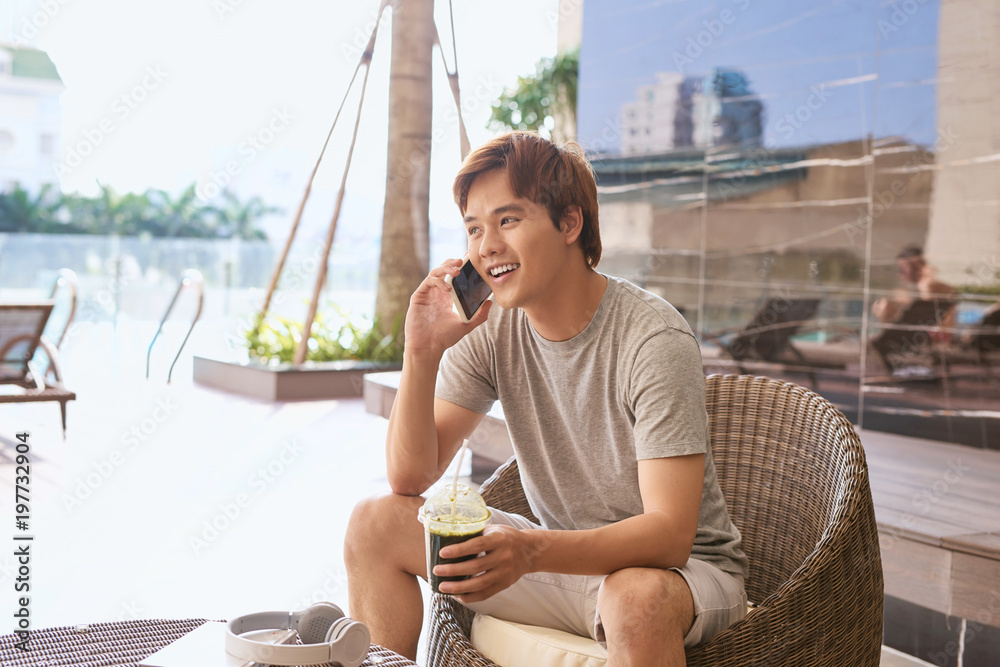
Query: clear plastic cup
<point x="454" y="514"/>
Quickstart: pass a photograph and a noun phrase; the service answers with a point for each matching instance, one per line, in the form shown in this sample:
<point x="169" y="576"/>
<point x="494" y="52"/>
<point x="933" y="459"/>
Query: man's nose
<point x="490" y="243"/>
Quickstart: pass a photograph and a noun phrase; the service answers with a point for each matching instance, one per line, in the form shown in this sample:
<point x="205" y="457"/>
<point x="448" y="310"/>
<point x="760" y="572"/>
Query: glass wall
<point x="814" y="185"/>
<point x="125" y="285"/>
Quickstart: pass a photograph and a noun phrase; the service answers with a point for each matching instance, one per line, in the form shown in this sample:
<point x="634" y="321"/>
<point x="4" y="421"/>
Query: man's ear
<point x="572" y="223"/>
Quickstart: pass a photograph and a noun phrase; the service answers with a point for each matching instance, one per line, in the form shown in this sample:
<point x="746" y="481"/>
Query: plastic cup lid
<point x="455" y="504"/>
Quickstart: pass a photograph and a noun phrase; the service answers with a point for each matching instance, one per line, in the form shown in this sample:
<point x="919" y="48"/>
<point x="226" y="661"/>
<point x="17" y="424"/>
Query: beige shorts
<point x="568" y="602"/>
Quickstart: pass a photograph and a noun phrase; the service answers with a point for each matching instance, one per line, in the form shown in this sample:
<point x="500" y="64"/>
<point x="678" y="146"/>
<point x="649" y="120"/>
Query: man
<point x="914" y="271"/>
<point x="603" y="392"/>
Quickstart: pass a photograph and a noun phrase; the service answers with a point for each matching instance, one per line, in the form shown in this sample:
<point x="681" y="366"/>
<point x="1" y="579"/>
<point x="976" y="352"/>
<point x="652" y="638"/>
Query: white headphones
<point x="327" y="635"/>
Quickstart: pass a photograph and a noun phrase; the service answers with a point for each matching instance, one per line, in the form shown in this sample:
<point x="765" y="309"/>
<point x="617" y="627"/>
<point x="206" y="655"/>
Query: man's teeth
<point x="497" y="270"/>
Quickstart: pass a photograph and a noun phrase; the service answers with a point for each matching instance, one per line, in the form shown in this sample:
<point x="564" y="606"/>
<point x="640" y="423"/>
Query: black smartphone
<point x="468" y="290"/>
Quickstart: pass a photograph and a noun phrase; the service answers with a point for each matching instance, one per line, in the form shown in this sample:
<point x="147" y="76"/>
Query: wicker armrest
<point x="450" y="627"/>
<point x="503" y="491"/>
<point x="450" y="622"/>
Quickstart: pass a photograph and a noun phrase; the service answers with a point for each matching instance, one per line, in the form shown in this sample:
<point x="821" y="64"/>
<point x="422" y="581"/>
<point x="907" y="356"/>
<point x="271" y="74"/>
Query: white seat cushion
<point x="516" y="645"/>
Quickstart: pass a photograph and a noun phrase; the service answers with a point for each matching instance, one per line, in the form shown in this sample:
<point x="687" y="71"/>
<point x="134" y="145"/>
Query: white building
<point x="30" y="119"/>
<point x="691" y="111"/>
<point x="648" y="123"/>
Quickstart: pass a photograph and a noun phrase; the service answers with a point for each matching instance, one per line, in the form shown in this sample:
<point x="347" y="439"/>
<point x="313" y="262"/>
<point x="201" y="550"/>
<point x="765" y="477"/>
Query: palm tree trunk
<point x="405" y="233"/>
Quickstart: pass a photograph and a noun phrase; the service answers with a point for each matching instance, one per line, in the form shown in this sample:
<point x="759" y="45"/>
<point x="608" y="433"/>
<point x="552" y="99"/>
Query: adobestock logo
<point x="104" y="469"/>
<point x="697" y="44"/>
<point x="334" y="584"/>
<point x="794" y="121"/>
<point x="883" y="200"/>
<point x="899" y="16"/>
<point x="225" y="7"/>
<point x="130" y="611"/>
<point x="123" y="107"/>
<point x="986" y="271"/>
<point x="566" y="9"/>
<point x="353" y="50"/>
<point x="8" y="568"/>
<point x="247" y="150"/>
<point x="31" y="26"/>
<point x="228" y="512"/>
<point x="293" y="277"/>
<point x="121" y="278"/>
<point x="610" y="133"/>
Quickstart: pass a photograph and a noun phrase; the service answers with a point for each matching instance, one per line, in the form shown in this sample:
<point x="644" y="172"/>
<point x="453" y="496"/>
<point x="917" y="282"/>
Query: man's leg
<point x="384" y="554"/>
<point x="645" y="613"/>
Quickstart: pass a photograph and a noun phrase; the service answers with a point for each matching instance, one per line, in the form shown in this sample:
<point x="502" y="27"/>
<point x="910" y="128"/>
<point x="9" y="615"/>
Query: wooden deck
<point x="937" y="506"/>
<point x="938" y="512"/>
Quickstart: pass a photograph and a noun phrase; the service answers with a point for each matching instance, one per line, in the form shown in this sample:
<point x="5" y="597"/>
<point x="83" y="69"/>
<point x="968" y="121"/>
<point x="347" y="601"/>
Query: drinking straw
<point x="458" y="468"/>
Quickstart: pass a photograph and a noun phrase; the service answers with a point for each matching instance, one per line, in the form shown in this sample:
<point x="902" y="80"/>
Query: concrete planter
<point x="287" y="382"/>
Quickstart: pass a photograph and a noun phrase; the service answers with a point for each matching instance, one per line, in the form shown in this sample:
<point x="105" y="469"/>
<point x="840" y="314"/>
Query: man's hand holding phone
<point x="432" y="323"/>
<point x="469" y="290"/>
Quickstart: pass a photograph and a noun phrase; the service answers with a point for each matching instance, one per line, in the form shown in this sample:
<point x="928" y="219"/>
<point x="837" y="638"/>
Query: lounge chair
<point x="908" y="341"/>
<point x="985" y="338"/>
<point x="21" y="327"/>
<point x="767" y="336"/>
<point x="978" y="345"/>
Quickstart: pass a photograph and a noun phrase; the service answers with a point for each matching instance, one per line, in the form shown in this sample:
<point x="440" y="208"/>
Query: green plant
<point x="986" y="280"/>
<point x="155" y="213"/>
<point x="979" y="288"/>
<point x="342" y="338"/>
<point x="536" y="99"/>
<point x="21" y="210"/>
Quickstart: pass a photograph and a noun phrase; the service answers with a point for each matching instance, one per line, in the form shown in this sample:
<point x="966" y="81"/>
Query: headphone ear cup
<point x="351" y="640"/>
<point x="316" y="622"/>
<point x="334" y="632"/>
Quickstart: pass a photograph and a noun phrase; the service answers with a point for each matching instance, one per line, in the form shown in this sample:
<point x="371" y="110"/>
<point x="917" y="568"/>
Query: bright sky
<point x="167" y="93"/>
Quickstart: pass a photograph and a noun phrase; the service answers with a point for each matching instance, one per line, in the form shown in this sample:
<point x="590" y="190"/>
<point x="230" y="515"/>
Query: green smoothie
<point x="452" y="515"/>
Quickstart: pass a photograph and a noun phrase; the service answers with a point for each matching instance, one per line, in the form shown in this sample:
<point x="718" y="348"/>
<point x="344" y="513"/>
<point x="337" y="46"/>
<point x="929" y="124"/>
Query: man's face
<point x="513" y="243"/>
<point x="909" y="268"/>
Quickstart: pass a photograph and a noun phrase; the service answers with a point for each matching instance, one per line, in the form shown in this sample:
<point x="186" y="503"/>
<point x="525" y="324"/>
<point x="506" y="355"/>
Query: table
<point x="123" y="644"/>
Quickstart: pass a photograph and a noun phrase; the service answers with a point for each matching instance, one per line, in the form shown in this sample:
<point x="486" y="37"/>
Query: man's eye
<point x="472" y="231"/>
<point x="504" y="221"/>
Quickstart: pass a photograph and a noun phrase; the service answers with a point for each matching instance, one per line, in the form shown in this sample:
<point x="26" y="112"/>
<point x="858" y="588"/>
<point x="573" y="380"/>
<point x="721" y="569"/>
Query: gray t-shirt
<point x="582" y="412"/>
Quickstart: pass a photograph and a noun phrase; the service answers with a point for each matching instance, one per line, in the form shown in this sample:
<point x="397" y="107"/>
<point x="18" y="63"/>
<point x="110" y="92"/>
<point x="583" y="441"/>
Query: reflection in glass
<point x="762" y="167"/>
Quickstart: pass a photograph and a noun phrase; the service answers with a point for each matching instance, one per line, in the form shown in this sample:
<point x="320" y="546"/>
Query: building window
<point x="46" y="144"/>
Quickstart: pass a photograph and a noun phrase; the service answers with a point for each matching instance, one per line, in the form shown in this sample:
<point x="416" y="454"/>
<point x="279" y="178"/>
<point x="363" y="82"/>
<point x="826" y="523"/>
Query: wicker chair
<point x="794" y="475"/>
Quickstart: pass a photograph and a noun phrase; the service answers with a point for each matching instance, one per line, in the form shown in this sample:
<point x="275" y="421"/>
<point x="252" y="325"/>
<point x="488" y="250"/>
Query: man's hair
<point x="552" y="176"/>
<point x="911" y="251"/>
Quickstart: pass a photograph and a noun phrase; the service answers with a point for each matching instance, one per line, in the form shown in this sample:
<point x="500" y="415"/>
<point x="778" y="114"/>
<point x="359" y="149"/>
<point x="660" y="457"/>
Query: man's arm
<point x="932" y="288"/>
<point x="425" y="432"/>
<point x="661" y="537"/>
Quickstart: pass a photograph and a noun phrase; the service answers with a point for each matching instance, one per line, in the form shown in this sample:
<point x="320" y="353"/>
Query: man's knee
<point x="639" y="595"/>
<point x="381" y="523"/>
